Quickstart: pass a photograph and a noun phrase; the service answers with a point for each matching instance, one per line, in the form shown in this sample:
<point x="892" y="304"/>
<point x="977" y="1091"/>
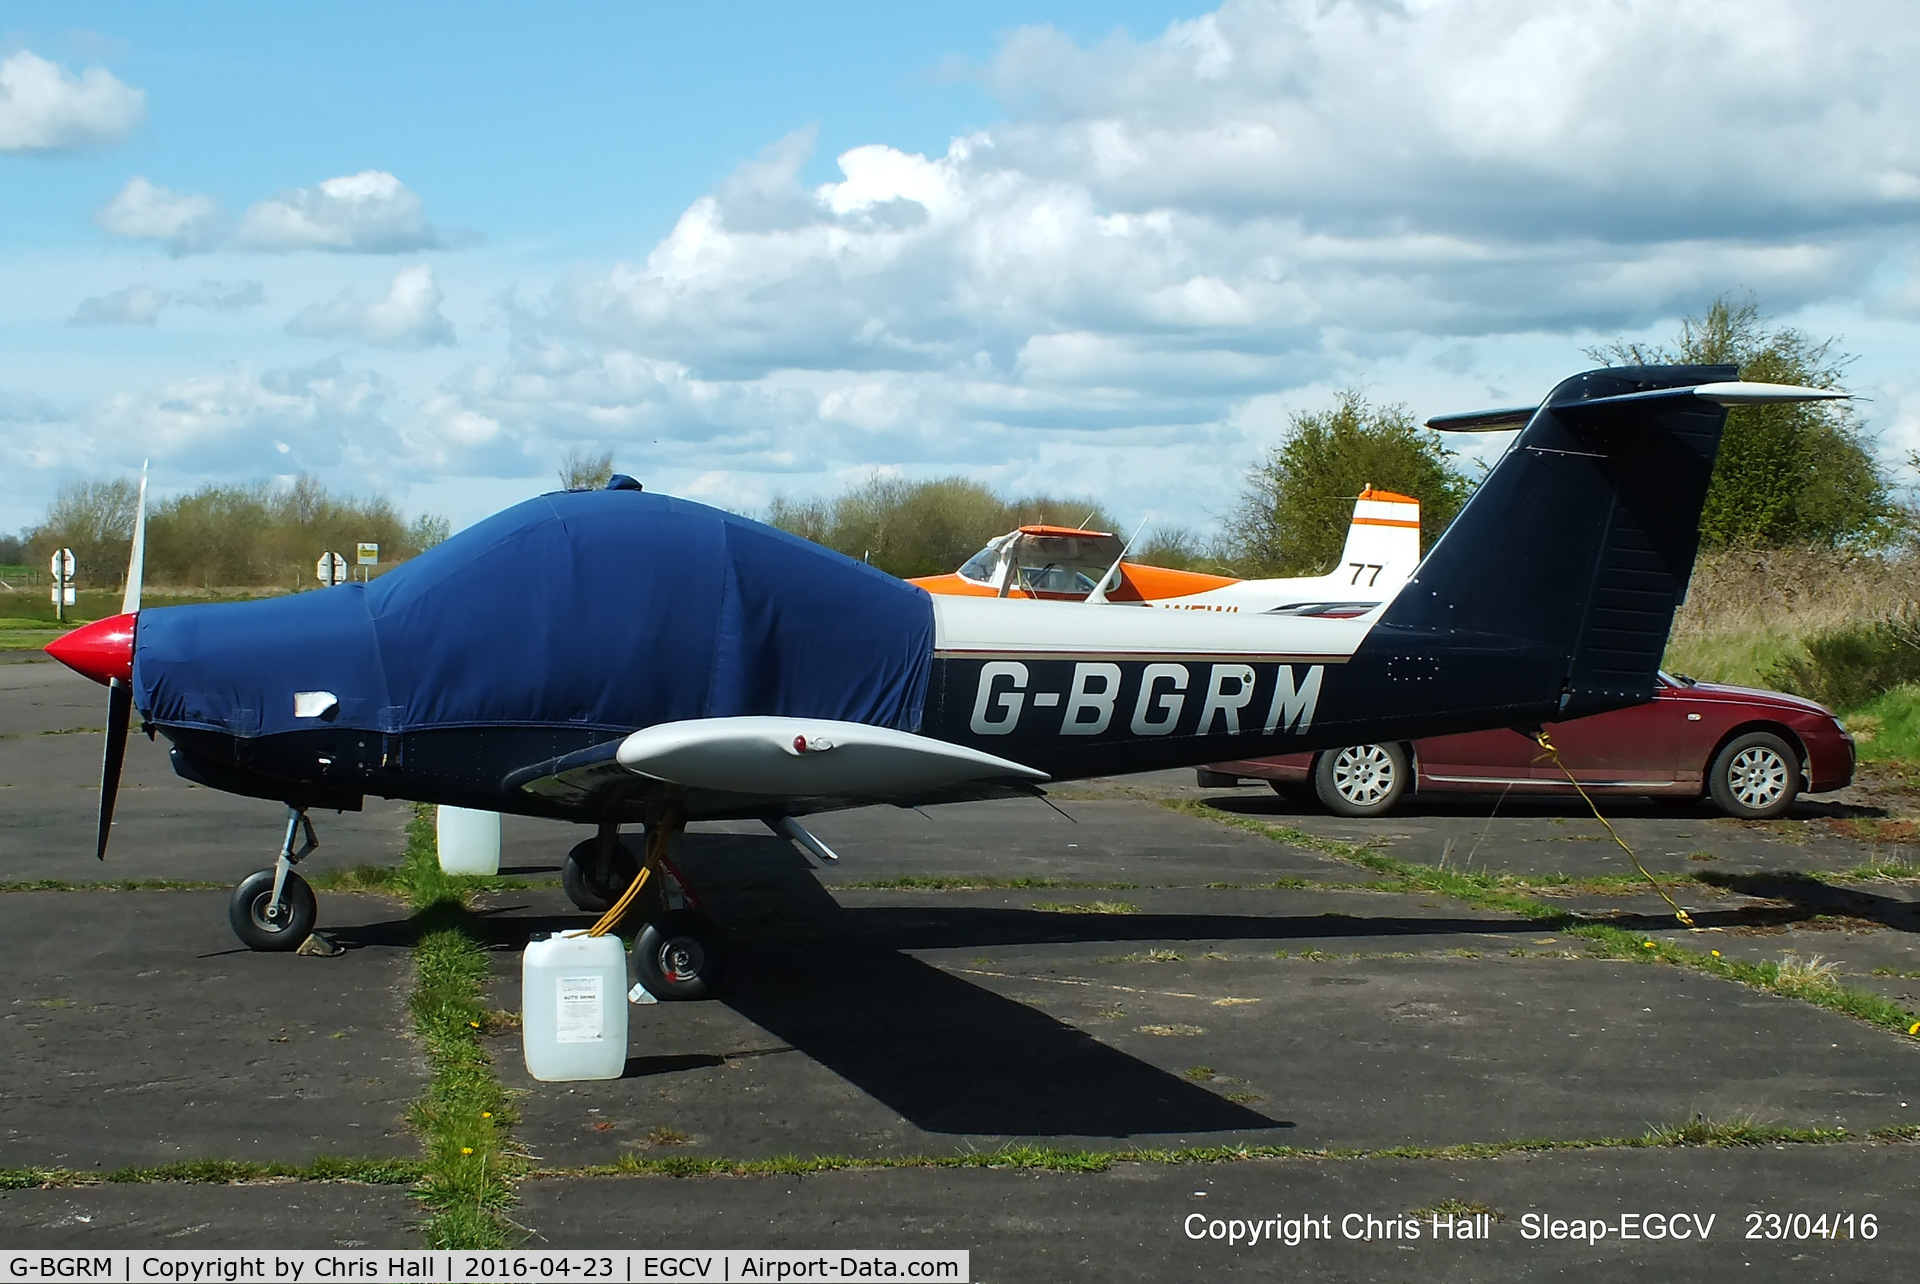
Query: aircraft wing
<point x="755" y="762"/>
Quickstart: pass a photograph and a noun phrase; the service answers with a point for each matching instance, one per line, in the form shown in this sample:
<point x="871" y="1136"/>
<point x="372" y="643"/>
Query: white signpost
<point x="62" y="566"/>
<point x="331" y="569"/>
<point x="367" y="555"/>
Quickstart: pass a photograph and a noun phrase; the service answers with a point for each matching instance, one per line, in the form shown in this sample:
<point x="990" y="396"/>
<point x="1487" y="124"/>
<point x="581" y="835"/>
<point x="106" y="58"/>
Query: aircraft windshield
<point x="980" y="567"/>
<point x="1065" y="564"/>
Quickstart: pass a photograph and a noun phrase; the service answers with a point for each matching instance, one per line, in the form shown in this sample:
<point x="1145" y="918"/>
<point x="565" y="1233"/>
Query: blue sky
<point x="1107" y="249"/>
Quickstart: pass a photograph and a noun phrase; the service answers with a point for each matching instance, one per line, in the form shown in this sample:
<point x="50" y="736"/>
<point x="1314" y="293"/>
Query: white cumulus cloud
<point x="135" y="305"/>
<point x="237" y="422"/>
<point x="142" y="305"/>
<point x="1170" y="242"/>
<point x="144" y="211"/>
<point x="371" y="212"/>
<point x="1280" y="195"/>
<point x="46" y="108"/>
<point x="406" y="316"/>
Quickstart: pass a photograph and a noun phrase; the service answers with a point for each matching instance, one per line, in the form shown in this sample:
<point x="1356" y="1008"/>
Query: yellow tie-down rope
<point x="1554" y="753"/>
<point x="657" y="836"/>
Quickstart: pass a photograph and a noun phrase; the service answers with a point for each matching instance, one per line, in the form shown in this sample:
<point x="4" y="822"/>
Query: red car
<point x="1751" y="751"/>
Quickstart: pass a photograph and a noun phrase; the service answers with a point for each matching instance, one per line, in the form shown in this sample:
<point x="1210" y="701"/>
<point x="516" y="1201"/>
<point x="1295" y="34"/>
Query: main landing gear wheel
<point x="1756" y="777"/>
<point x="1361" y="780"/>
<point x="680" y="955"/>
<point x="259" y="925"/>
<point x="595" y="888"/>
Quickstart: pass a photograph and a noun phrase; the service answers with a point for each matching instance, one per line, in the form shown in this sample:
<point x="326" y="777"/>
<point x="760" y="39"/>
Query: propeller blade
<point x="119" y="718"/>
<point x="120" y="690"/>
<point x="137" y="559"/>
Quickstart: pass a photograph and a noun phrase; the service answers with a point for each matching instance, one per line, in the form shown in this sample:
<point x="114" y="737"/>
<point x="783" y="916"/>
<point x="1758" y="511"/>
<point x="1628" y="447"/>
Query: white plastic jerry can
<point x="573" y="1007"/>
<point x="468" y="841"/>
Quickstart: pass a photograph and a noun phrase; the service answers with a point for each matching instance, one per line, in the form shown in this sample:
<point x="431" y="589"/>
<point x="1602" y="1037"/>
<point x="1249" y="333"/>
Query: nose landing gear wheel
<point x="680" y="955"/>
<point x="259" y="926"/>
<point x="587" y="885"/>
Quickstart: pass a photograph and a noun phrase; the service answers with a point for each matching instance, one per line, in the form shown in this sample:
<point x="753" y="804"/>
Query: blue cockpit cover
<point x="611" y="610"/>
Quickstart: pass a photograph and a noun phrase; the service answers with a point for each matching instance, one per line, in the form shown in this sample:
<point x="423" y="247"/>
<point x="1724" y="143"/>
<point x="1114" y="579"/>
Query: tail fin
<point x="1384" y="539"/>
<point x="1552" y="593"/>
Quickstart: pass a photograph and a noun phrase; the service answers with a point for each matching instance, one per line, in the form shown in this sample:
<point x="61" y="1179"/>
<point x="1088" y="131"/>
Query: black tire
<point x="1360" y="780"/>
<point x="680" y="955"/>
<point x="1755" y="777"/>
<point x="1207" y="778"/>
<point x="247" y="912"/>
<point x="586" y="886"/>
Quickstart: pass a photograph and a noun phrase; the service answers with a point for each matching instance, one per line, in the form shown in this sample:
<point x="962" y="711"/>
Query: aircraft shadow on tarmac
<point x="1478" y="806"/>
<point x="838" y="984"/>
<point x="1807" y="897"/>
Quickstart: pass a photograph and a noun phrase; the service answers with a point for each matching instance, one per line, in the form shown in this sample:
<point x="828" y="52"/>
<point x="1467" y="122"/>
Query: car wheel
<point x="1756" y="777"/>
<point x="1360" y="780"/>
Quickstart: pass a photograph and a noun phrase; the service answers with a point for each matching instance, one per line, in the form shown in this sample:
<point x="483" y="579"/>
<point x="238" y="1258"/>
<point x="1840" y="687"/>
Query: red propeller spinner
<point x="102" y="650"/>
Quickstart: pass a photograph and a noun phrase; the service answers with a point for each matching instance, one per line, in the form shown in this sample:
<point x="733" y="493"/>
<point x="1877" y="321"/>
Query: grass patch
<point x="1887" y="727"/>
<point x="113" y="885"/>
<point x="1093" y="907"/>
<point x="976" y="883"/>
<point x="1696" y="1132"/>
<point x="1460" y="1208"/>
<point x="1789" y="978"/>
<point x="1742" y="655"/>
<point x="363" y="878"/>
<point x="220" y="1172"/>
<point x="466" y="1181"/>
<point x="35" y="640"/>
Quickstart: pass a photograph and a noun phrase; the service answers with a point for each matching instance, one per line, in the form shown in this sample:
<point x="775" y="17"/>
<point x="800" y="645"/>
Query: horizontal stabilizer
<point x="782" y="758"/>
<point x="1483" y="420"/>
<point x="1728" y="393"/>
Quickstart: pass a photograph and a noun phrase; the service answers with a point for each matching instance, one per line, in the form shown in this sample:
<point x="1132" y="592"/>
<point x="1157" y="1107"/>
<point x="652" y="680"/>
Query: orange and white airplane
<point x="1067" y="564"/>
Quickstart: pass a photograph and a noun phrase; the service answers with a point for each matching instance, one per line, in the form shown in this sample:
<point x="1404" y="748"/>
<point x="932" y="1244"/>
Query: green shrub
<point x="1847" y="667"/>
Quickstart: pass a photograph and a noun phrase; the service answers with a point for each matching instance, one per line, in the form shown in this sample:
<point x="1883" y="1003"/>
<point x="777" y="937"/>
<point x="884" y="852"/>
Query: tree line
<point x="1789" y="475"/>
<point x="221" y="536"/>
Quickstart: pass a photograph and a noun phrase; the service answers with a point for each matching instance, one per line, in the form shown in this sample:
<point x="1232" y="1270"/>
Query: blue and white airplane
<point x="622" y="658"/>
